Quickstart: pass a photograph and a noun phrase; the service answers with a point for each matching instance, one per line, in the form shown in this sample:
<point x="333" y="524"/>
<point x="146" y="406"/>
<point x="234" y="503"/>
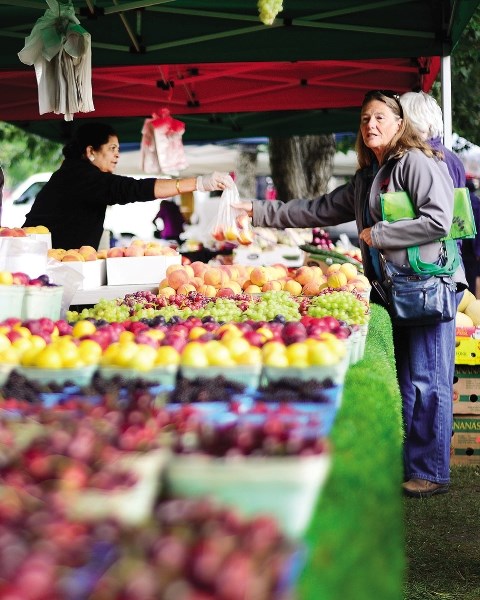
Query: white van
<point x="123" y="220"/>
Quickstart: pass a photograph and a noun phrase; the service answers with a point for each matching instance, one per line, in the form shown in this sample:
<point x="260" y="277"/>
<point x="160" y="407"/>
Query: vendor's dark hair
<point x="89" y="134"/>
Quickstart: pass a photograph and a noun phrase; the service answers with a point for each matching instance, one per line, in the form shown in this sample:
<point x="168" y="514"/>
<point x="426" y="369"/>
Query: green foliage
<point x="22" y="154"/>
<point x="356" y="539"/>
<point x="465" y="82"/>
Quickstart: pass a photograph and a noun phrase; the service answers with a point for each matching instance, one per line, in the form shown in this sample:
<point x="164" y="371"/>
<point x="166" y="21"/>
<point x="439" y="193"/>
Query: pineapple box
<point x="467" y="346"/>
<point x="466" y="390"/>
<point x="465" y="445"/>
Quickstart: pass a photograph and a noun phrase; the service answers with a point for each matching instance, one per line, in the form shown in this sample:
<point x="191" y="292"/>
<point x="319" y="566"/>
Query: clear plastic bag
<point x="232" y="224"/>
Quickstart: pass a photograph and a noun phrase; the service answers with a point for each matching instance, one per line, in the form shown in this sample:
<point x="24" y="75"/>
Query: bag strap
<point x="449" y="268"/>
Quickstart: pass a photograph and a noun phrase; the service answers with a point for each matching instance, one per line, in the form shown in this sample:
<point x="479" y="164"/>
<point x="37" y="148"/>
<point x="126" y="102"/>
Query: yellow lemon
<point x="89" y="351"/>
<point x="144" y="358"/>
<point x="83" y="328"/>
<point x="166" y="355"/>
<point x="49" y="358"/>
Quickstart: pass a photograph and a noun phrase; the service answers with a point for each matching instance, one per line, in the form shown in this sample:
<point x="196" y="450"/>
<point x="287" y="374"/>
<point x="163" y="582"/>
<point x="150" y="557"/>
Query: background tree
<point x="466" y="83"/>
<point x="301" y="166"/>
<point x="22" y="154"/>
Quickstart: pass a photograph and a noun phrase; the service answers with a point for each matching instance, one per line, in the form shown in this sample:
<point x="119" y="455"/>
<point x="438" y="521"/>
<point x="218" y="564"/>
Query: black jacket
<point x="73" y="202"/>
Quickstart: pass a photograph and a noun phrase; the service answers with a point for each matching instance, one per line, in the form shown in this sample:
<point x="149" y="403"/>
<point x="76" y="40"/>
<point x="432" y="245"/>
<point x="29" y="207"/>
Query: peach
<point x="115" y="252"/>
<point x="167" y="251"/>
<point x="235" y="286"/>
<point x="272" y="286"/>
<point x="177" y="278"/>
<point x="225" y="292"/>
<point x="311" y="289"/>
<point x="186" y="288"/>
<point x="304" y="275"/>
<point x="293" y="287"/>
<point x="282" y="268"/>
<point x="172" y="268"/>
<point x="72" y="256"/>
<point x="252" y="289"/>
<point x="213" y="276"/>
<point x="167" y="292"/>
<point x="246" y="283"/>
<point x="259" y="276"/>
<point x="153" y="251"/>
<point x="208" y="290"/>
<point x="331" y="269"/>
<point x="198" y="268"/>
<point x="56" y="253"/>
<point x="134" y="251"/>
<point x="189" y="271"/>
<point x="102" y="253"/>
<point x="349" y="270"/>
<point x="317" y="273"/>
<point x="163" y="283"/>
<point x="196" y="282"/>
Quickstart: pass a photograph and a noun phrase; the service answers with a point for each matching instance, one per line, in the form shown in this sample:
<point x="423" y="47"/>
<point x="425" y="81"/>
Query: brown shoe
<point x="421" y="488"/>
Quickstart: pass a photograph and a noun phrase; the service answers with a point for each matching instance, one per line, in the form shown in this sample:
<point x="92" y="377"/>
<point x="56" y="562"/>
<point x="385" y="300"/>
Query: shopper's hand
<point x="247" y="206"/>
<point x="214" y="181"/>
<point x="366" y="235"/>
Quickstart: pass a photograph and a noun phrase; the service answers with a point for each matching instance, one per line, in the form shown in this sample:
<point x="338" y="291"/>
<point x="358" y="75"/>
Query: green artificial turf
<point x="356" y="540"/>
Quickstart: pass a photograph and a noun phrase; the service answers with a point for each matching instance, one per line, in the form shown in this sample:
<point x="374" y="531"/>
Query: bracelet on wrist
<point x="177" y="186"/>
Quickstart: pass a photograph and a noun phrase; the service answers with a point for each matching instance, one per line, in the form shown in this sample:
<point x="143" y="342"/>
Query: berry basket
<point x="336" y="373"/>
<point x="166" y="375"/>
<point x="42" y="301"/>
<point x="248" y="375"/>
<point x="131" y="506"/>
<point x="11" y="299"/>
<point x="81" y="376"/>
<point x="285" y="487"/>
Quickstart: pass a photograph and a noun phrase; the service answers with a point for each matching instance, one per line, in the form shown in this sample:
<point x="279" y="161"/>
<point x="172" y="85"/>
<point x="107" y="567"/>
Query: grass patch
<point x="442" y="537"/>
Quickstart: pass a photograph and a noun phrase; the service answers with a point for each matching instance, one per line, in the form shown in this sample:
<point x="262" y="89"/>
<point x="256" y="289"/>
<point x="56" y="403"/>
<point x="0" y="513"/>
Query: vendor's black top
<point x="73" y="202"/>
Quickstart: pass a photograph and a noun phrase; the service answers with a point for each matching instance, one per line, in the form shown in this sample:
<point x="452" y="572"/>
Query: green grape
<point x="342" y="305"/>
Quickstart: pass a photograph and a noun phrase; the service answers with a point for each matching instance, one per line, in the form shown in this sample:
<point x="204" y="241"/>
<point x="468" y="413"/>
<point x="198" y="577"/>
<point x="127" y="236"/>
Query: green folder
<point x="398" y="205"/>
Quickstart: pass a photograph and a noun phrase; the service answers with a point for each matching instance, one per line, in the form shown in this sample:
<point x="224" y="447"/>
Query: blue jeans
<point x="425" y="359"/>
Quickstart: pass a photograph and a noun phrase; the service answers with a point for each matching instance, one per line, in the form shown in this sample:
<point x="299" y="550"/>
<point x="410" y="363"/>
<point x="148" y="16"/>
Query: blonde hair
<point x="406" y="138"/>
<point x="424" y="113"/>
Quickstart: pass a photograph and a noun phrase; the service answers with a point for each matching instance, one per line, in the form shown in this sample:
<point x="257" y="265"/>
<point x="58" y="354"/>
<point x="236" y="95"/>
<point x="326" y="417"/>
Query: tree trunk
<point x="245" y="171"/>
<point x="301" y="166"/>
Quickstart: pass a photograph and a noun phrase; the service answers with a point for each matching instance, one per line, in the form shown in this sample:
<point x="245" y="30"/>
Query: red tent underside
<point x="227" y="87"/>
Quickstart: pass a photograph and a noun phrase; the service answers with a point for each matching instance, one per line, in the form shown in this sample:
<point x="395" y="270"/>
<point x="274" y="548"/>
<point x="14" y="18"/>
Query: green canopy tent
<point x="225" y="74"/>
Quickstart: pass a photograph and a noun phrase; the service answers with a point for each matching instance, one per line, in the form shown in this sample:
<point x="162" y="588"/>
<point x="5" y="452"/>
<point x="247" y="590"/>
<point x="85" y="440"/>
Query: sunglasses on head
<point x="375" y="94"/>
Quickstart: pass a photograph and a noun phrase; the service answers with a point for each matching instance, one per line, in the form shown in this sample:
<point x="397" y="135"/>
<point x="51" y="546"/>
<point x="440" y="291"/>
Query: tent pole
<point x="446" y="80"/>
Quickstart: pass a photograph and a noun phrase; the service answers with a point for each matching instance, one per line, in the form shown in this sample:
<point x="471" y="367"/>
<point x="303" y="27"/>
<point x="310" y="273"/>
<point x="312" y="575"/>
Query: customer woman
<point x="73" y="202"/>
<point x="392" y="157"/>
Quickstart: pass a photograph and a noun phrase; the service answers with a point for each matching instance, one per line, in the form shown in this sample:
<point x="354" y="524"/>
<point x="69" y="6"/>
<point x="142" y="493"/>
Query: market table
<point x="355" y="541"/>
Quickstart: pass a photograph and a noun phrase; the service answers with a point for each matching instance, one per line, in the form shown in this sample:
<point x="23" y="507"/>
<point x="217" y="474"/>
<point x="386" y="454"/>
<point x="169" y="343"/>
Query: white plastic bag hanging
<point x="162" y="147"/>
<point x="232" y="224"/>
<point x="60" y="50"/>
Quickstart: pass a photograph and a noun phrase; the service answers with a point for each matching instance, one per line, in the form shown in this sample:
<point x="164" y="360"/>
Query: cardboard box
<point x="465" y="445"/>
<point x="467" y="346"/>
<point x="146" y="270"/>
<point x="466" y="390"/>
<point x="94" y="273"/>
<point x="290" y="256"/>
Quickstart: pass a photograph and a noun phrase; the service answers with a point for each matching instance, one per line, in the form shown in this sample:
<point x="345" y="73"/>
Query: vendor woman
<point x="72" y="204"/>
